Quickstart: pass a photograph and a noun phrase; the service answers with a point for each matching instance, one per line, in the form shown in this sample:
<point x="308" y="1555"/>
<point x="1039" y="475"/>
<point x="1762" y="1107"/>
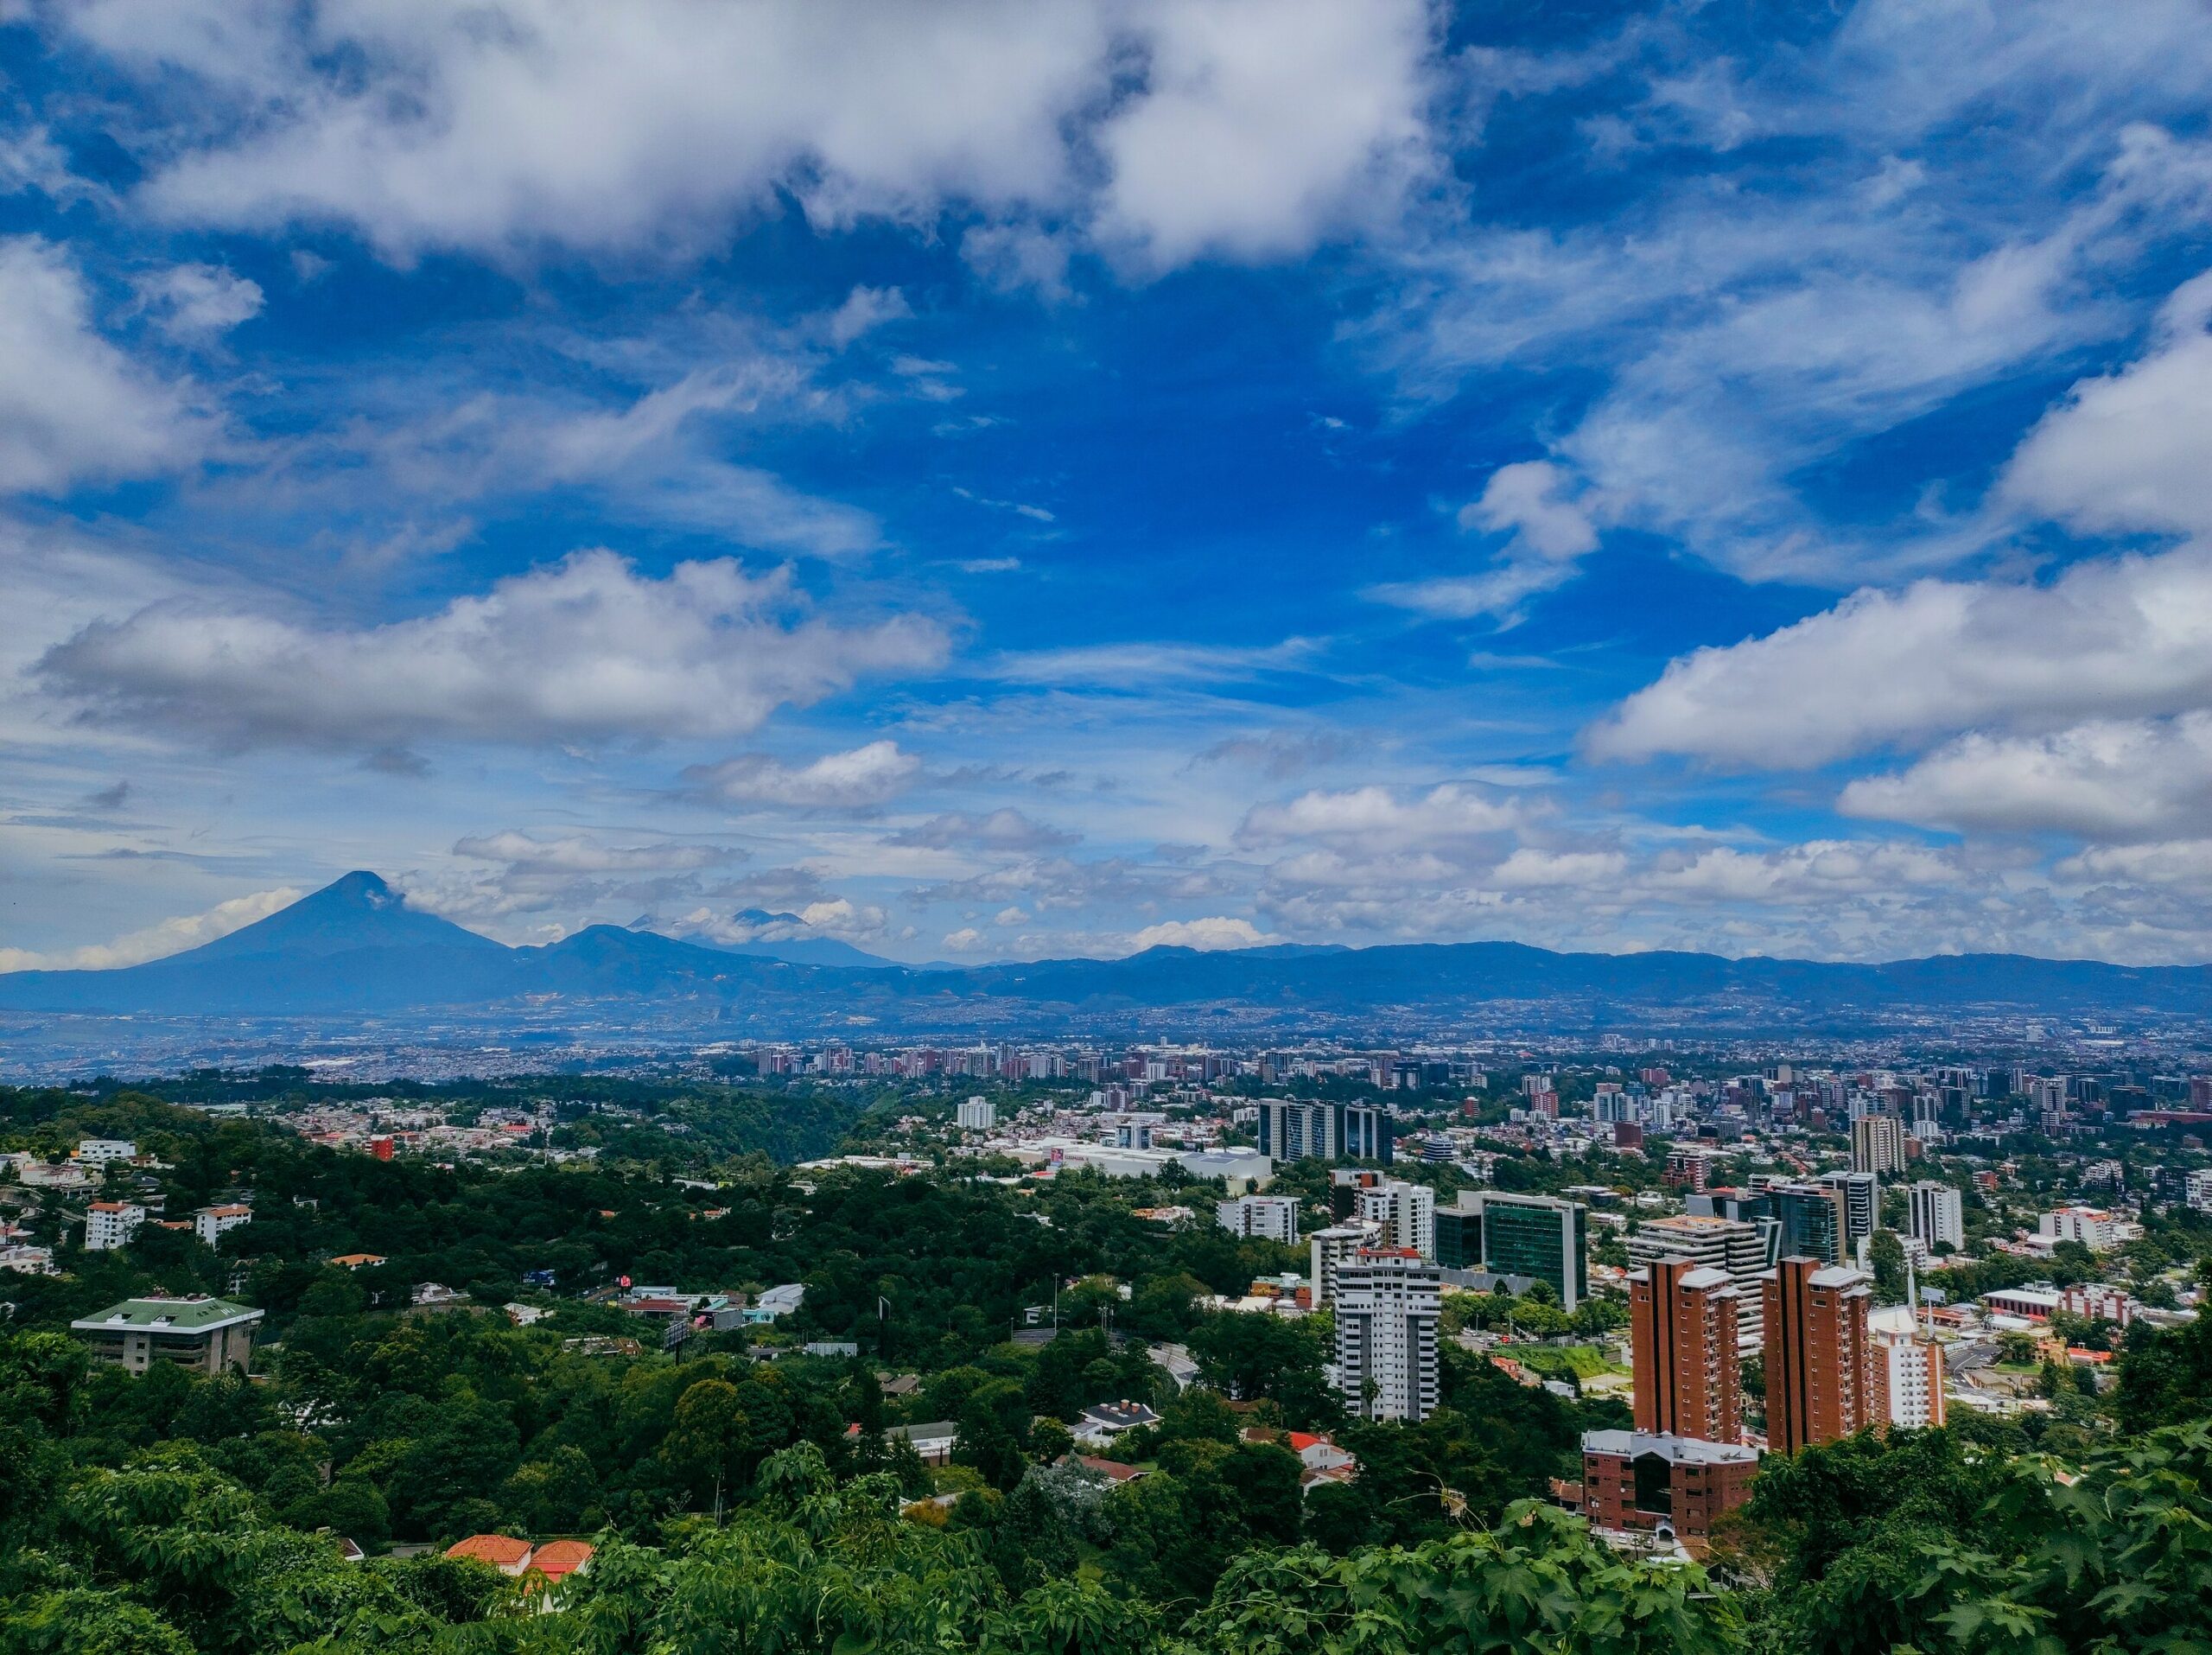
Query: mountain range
<point x="355" y="948"/>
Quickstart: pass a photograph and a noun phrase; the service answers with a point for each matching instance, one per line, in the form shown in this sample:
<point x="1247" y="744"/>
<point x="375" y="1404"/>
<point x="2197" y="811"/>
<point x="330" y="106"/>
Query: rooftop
<point x="1677" y="1450"/>
<point x="185" y="1315"/>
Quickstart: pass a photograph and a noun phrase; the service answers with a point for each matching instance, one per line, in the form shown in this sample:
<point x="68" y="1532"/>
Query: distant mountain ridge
<point x="354" y="947"/>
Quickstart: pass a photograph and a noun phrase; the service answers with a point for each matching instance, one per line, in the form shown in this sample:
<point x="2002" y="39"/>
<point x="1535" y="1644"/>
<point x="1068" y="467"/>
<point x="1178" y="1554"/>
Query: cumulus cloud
<point x="1236" y="129"/>
<point x="581" y="854"/>
<point x="1263" y="124"/>
<point x="586" y="649"/>
<point x="72" y="407"/>
<point x="1002" y="830"/>
<point x="2133" y="450"/>
<point x="2124" y="780"/>
<point x="2111" y="638"/>
<point x="1208" y="935"/>
<point x="868" y="775"/>
<point x="198" y="302"/>
<point x="865" y="309"/>
<point x="1376" y="817"/>
<point x="158" y="942"/>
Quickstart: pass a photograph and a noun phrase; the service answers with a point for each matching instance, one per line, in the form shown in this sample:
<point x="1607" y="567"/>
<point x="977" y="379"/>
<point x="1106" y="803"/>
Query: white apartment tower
<point x="978" y="1115"/>
<point x="1386" y="1309"/>
<point x="1272" y="1218"/>
<point x="1406" y="1214"/>
<point x="1937" y="1213"/>
<point x="1331" y="1249"/>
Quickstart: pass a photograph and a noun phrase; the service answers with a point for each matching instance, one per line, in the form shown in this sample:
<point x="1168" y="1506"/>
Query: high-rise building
<point x="1406" y="1214"/>
<point x="1859" y="1198"/>
<point x="1682" y="1345"/>
<point x="1811" y="1217"/>
<point x="1329" y="1249"/>
<point x="1878" y="1145"/>
<point x="1744" y="1249"/>
<point x="1290" y="1130"/>
<point x="1541" y="1236"/>
<point x="978" y="1115"/>
<point x="1459" y="1233"/>
<point x="1937" y="1214"/>
<point x="1819" y="1354"/>
<point x="1386" y="1305"/>
<point x="1273" y="1217"/>
<point x="1908" y="1379"/>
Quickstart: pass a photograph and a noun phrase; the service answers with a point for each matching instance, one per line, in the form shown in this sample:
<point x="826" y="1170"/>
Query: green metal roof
<point x="171" y="1315"/>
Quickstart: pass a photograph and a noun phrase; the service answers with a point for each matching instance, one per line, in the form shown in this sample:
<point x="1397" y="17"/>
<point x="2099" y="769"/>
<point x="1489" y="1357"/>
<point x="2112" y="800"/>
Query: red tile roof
<point x="500" y="1550"/>
<point x="558" y="1557"/>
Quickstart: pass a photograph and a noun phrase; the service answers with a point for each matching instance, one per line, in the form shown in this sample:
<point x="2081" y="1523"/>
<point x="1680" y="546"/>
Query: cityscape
<point x="1105" y="827"/>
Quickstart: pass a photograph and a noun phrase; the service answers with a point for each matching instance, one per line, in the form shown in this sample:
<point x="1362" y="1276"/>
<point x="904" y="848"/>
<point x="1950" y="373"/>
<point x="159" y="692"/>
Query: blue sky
<point x="1007" y="481"/>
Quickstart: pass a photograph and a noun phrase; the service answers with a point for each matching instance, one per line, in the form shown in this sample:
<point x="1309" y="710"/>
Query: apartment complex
<point x="1386" y="1303"/>
<point x="1935" y="1214"/>
<point x="1820" y="1378"/>
<point x="1878" y="1145"/>
<point x="1292" y="1130"/>
<point x="1273" y="1217"/>
<point x="1682" y="1345"/>
<point x="111" y="1225"/>
<point x="1745" y="1248"/>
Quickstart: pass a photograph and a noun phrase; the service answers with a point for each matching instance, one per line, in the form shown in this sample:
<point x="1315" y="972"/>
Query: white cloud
<point x="1207" y="935"/>
<point x="197" y="301"/>
<point x="867" y="775"/>
<point x="1376" y="818"/>
<point x="1188" y="128"/>
<point x="1264" y="125"/>
<point x="865" y="308"/>
<point x="585" y="649"/>
<point x="1550" y="534"/>
<point x="966" y="940"/>
<point x="1122" y="665"/>
<point x="579" y="854"/>
<point x="158" y="941"/>
<point x="72" y="407"/>
<point x="2118" y="637"/>
<point x="2128" y="780"/>
<point x="2133" y="450"/>
<point x="2175" y="863"/>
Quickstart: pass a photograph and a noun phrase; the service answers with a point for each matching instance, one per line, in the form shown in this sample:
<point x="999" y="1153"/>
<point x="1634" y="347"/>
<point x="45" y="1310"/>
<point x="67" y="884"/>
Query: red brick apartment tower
<point x="1682" y="1339"/>
<point x="1821" y="1359"/>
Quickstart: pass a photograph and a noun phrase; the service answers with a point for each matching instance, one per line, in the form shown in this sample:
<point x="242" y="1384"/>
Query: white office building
<point x="111" y="1225"/>
<point x="2095" y="1228"/>
<point x="978" y="1115"/>
<point x="97" y="1152"/>
<point x="1937" y="1214"/>
<point x="1404" y="1214"/>
<point x="1387" y="1303"/>
<point x="1271" y="1217"/>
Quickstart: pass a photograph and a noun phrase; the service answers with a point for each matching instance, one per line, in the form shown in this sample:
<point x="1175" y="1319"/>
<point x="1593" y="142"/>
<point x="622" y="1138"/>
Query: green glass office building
<point x="1540" y="1236"/>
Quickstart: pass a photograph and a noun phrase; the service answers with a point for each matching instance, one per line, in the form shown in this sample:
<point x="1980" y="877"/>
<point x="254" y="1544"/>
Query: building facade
<point x="1674" y="1486"/>
<point x="111" y="1225"/>
<point x="1936" y="1213"/>
<point x="1386" y="1304"/>
<point x="1542" y="1236"/>
<point x="1744" y="1250"/>
<point x="1272" y="1218"/>
<point x="210" y="1335"/>
<point x="1405" y="1214"/>
<point x="1819" y="1354"/>
<point x="1682" y="1348"/>
<point x="978" y="1115"/>
<point x="1878" y="1145"/>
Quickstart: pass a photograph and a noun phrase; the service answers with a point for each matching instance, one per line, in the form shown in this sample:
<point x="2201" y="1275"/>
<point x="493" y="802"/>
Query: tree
<point x="1886" y="1254"/>
<point x="712" y="1437"/>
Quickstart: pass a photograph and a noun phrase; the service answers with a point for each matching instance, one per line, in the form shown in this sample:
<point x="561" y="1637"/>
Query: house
<point x="210" y="1222"/>
<point x="558" y="1559"/>
<point x="932" y="1441"/>
<point x="27" y="1260"/>
<point x="523" y="1314"/>
<point x="1322" y="1461"/>
<point x="1113" y="1470"/>
<point x="97" y="1152"/>
<point x="902" y="1385"/>
<point x="210" y="1335"/>
<point x="357" y="1261"/>
<point x="503" y="1551"/>
<point x="111" y="1225"/>
<point x="1101" y="1424"/>
<point x="435" y="1296"/>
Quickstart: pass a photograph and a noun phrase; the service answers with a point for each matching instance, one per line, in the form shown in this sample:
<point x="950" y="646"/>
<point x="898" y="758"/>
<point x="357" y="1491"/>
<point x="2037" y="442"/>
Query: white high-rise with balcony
<point x="1386" y="1303"/>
